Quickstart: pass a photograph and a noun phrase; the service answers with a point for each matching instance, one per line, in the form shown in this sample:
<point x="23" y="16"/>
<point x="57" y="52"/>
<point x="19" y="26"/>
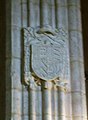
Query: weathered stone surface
<point x="46" y="62"/>
<point x="74" y="18"/>
<point x="76" y="57"/>
<point x="46" y="105"/>
<point x="13" y="70"/>
<point x="74" y="2"/>
<point x="62" y="17"/>
<point x="46" y="101"/>
<point x="68" y="103"/>
<point x="76" y="52"/>
<point x="77" y="104"/>
<point x="34" y="13"/>
<point x="75" y="86"/>
<point x="61" y="2"/>
<point x="84" y="103"/>
<point x="47" y="53"/>
<point x="25" y="103"/>
<point x="16" y="102"/>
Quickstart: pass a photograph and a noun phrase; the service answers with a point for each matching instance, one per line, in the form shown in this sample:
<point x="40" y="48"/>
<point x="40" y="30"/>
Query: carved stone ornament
<point x="45" y="54"/>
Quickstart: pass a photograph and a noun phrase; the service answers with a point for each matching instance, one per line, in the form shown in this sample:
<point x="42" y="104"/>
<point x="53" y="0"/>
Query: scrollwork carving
<point x="45" y="56"/>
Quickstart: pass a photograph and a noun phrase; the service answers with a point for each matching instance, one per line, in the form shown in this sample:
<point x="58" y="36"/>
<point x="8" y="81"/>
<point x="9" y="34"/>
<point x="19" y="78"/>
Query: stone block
<point x="54" y="101"/>
<point x="74" y="18"/>
<point x="74" y="3"/>
<point x="76" y="47"/>
<point x="61" y="2"/>
<point x="25" y="105"/>
<point x="62" y="17"/>
<point x="62" y="117"/>
<point x="78" y="118"/>
<point x="34" y="117"/>
<point x="16" y="117"/>
<point x="13" y="74"/>
<point x="55" y="117"/>
<point x="61" y="103"/>
<point x="16" y="6"/>
<point x="16" y="74"/>
<point x="84" y="108"/>
<point x="16" y="102"/>
<point x="68" y="104"/>
<point x="75" y="77"/>
<point x="47" y="117"/>
<point x="13" y="44"/>
<point x="25" y="117"/>
<point x="34" y="106"/>
<point x="77" y="104"/>
<point x="16" y="42"/>
<point x="82" y="77"/>
<point x="16" y="19"/>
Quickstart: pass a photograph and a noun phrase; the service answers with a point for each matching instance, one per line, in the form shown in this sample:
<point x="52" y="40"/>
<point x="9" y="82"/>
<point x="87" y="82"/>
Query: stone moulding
<point x="45" y="56"/>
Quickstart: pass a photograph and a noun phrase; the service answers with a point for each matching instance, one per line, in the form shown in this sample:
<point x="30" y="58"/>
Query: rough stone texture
<point x="48" y="52"/>
<point x="17" y="95"/>
<point x="13" y="62"/>
<point x="77" y="76"/>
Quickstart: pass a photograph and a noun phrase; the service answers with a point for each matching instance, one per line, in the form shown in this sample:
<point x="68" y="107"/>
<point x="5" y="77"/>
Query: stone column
<point x="44" y="12"/>
<point x="61" y="14"/>
<point x="55" y="106"/>
<point x="46" y="101"/>
<point x="13" y="61"/>
<point x="64" y="99"/>
<point x="52" y="13"/>
<point x="77" y="64"/>
<point x="24" y="23"/>
<point x="47" y="18"/>
<point x="35" y="95"/>
<point x="33" y="13"/>
<point x="35" y="103"/>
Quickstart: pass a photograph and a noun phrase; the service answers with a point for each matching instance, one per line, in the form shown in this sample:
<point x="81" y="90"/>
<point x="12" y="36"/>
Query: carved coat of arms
<point x="45" y="53"/>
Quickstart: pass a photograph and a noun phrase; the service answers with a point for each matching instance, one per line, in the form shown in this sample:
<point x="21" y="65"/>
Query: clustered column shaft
<point x="76" y="58"/>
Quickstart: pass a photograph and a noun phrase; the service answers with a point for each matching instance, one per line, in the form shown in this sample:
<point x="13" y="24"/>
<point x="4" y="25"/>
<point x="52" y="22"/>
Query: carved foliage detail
<point x="45" y="55"/>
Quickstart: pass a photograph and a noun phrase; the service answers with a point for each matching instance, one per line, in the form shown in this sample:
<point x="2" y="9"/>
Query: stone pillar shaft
<point x="24" y="23"/>
<point x="76" y="58"/>
<point x="46" y="105"/>
<point x="61" y="14"/>
<point x="33" y="13"/>
<point x="46" y="101"/>
<point x="62" y="22"/>
<point x="42" y="102"/>
<point x="13" y="61"/>
<point x="35" y="97"/>
<point x="44" y="12"/>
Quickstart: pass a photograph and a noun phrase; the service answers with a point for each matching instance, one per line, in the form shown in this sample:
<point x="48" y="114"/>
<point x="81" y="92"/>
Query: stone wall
<point x="21" y="103"/>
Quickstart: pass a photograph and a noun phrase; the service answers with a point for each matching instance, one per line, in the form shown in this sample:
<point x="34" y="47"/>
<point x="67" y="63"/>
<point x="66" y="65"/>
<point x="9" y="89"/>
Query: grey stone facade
<point x="47" y="101"/>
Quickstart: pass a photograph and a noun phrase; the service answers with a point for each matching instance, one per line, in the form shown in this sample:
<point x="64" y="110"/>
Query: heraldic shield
<point x="46" y="54"/>
<point x="47" y="60"/>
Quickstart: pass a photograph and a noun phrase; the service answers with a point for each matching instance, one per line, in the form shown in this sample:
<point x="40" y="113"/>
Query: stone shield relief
<point x="45" y="54"/>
